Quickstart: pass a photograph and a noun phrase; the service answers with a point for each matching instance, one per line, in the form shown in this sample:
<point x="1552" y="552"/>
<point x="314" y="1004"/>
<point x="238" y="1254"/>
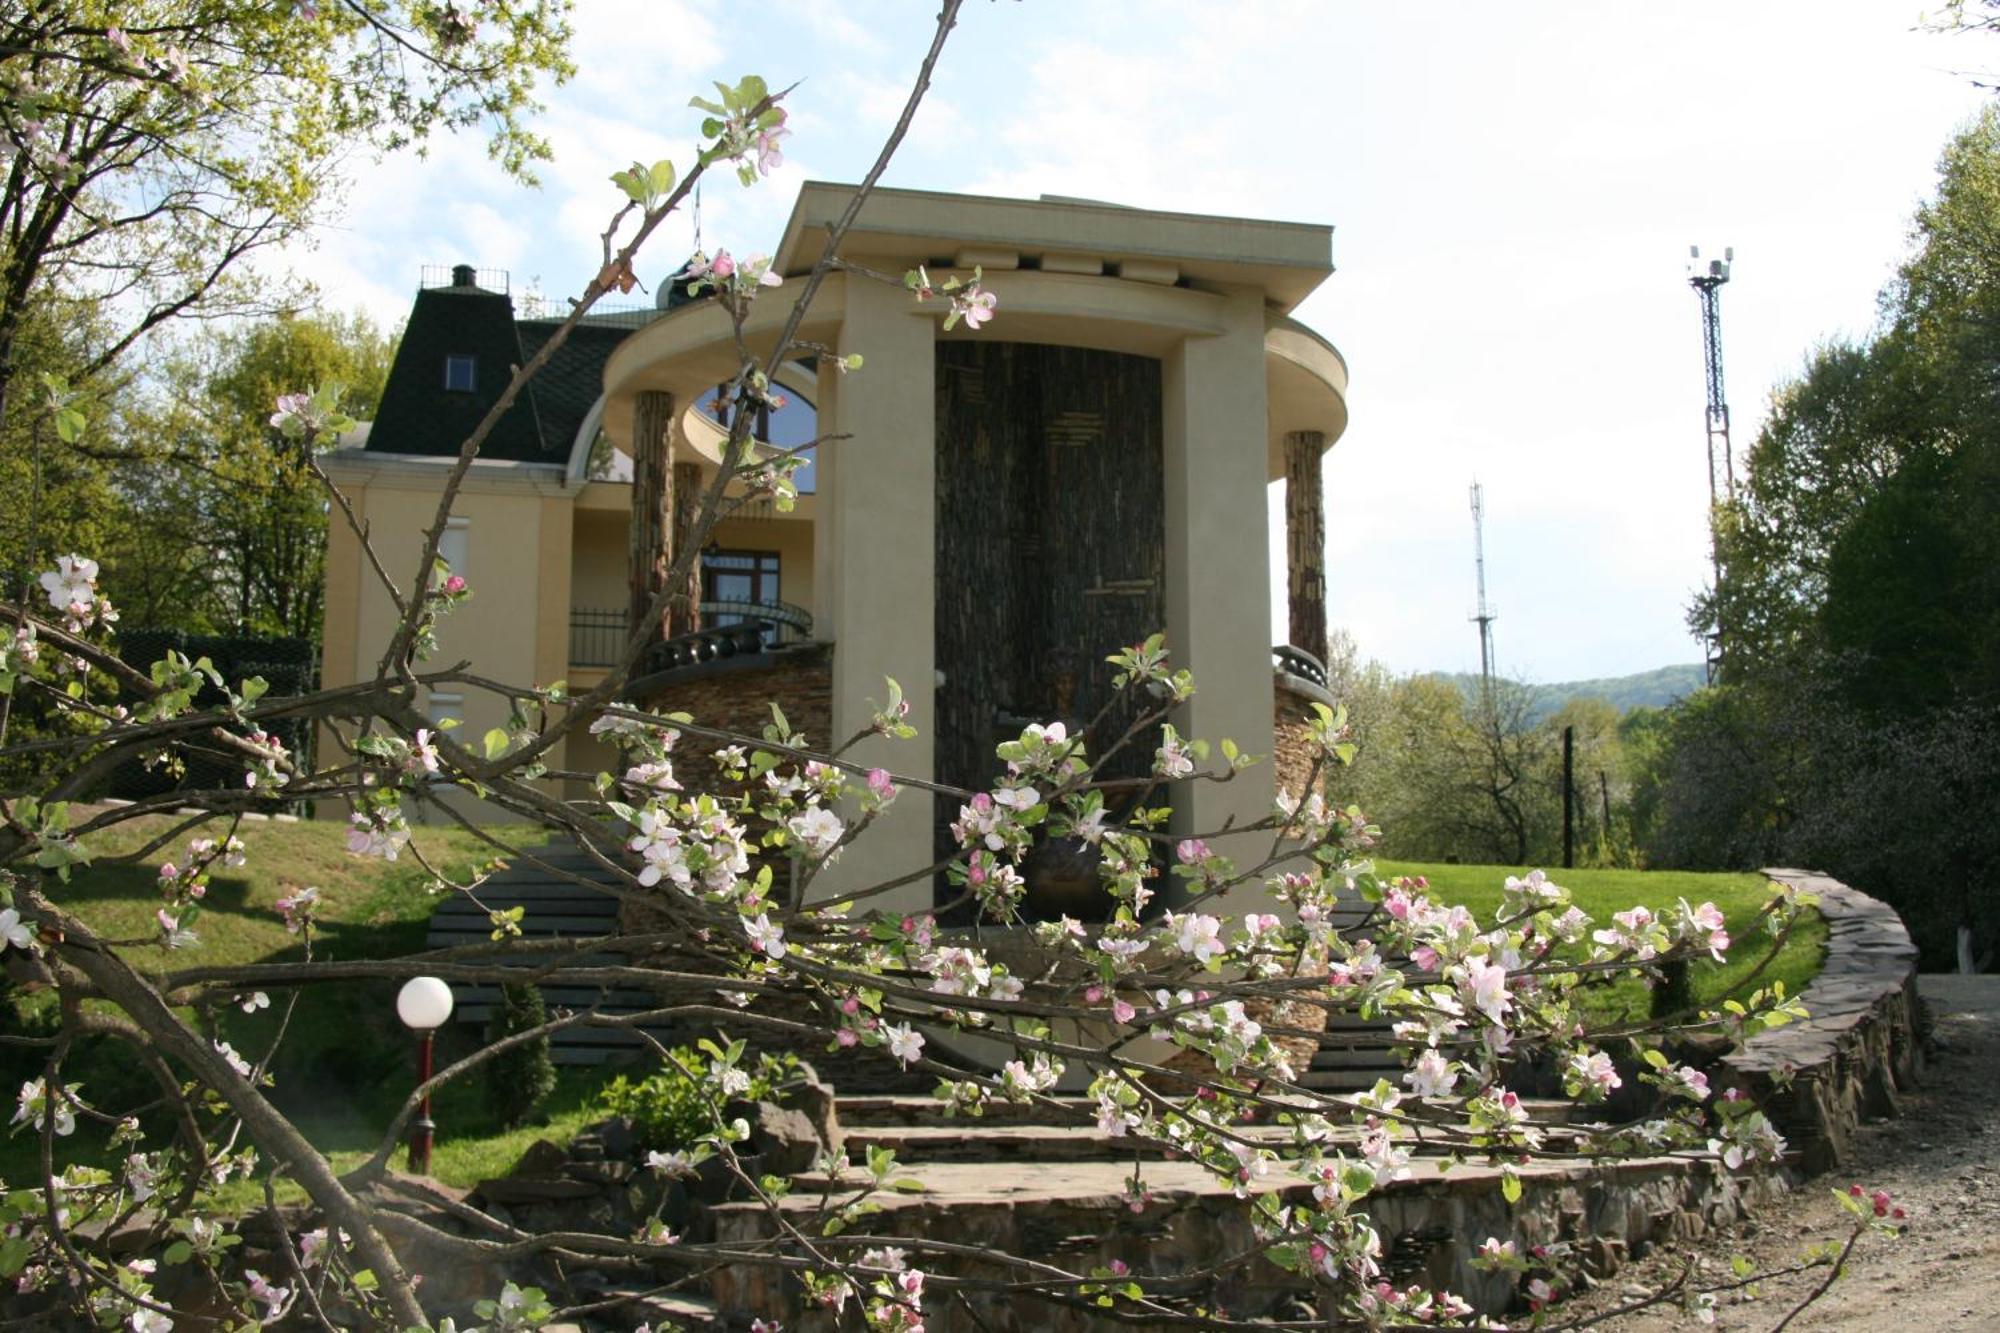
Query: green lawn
<point x="346" y="1062"/>
<point x="1602" y="892"/>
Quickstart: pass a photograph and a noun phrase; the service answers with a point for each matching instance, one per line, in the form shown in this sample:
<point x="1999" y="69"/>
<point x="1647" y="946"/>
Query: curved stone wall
<point x="1291" y="750"/>
<point x="1858" y="1046"/>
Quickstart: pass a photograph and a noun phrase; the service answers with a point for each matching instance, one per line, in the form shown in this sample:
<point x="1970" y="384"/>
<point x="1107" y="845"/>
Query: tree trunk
<point x="684" y="612"/>
<point x="1305" y="540"/>
<point x="651" y="541"/>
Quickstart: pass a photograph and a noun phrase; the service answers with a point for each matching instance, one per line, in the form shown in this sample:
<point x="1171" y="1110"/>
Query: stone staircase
<point x="1352" y="1055"/>
<point x="1042" y="1184"/>
<point x="556" y="908"/>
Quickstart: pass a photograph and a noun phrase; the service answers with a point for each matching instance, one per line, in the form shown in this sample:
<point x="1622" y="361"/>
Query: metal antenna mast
<point x="1485" y="615"/>
<point x="1707" y="283"/>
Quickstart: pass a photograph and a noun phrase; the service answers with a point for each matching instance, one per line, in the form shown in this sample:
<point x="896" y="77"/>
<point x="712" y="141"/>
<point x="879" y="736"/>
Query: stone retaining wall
<point x="1857" y="1048"/>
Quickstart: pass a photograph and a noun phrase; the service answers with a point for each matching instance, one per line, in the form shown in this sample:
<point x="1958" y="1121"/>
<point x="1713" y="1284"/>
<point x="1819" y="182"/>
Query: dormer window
<point x="461" y="374"/>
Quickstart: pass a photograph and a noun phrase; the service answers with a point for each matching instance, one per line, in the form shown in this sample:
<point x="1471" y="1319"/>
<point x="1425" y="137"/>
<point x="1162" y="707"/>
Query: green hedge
<point x="289" y="666"/>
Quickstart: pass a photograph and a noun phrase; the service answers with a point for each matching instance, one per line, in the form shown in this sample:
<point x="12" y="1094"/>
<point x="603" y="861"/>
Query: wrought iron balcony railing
<point x="597" y="637"/>
<point x="1299" y="664"/>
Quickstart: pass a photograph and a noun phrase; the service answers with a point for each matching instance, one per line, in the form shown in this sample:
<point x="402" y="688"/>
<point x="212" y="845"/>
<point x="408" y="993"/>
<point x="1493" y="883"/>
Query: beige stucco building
<point x="1003" y="506"/>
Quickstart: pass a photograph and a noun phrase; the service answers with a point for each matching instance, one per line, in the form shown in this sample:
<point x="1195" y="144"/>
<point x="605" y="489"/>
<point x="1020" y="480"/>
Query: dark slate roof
<point x="418" y="415"/>
<point x="570" y="384"/>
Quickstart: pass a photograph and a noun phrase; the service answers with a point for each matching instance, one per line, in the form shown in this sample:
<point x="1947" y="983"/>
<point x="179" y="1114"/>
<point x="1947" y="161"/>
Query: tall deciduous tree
<point x="152" y="145"/>
<point x="221" y="524"/>
<point x="1862" y="600"/>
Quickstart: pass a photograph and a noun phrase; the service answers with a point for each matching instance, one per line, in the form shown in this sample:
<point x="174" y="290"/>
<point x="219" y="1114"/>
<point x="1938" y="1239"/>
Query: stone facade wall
<point x="1291" y="751"/>
<point x="739" y="697"/>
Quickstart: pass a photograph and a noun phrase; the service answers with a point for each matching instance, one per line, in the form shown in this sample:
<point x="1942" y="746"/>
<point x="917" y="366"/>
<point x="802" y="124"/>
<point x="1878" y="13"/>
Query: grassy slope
<point x="1602" y="892"/>
<point x="346" y="1061"/>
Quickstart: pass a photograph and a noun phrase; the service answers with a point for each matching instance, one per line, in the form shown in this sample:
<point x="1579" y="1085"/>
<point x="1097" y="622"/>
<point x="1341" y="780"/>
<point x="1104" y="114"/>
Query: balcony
<point x="597" y="637"/>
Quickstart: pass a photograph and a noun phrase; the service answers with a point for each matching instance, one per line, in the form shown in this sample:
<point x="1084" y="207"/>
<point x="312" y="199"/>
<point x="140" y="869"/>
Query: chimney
<point x="464" y="275"/>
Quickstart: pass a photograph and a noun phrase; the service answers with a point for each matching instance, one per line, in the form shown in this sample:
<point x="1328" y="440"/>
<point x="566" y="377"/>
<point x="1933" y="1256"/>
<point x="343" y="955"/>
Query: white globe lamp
<point x="424" y="1005"/>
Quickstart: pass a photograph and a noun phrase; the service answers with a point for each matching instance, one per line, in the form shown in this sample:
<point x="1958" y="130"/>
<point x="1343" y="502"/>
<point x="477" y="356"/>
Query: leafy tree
<point x="156" y="144"/>
<point x="201" y="457"/>
<point x="1457" y="777"/>
<point x="1916" y="394"/>
<point x="1860" y="598"/>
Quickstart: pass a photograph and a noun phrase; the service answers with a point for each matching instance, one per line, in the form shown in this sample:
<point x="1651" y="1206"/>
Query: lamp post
<point x="423" y="1004"/>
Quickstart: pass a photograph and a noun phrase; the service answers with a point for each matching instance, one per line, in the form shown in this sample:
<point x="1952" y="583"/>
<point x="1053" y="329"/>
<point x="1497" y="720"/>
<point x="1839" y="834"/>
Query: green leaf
<point x="495" y="743"/>
<point x="1510" y="1187"/>
<point x="178" y="1253"/>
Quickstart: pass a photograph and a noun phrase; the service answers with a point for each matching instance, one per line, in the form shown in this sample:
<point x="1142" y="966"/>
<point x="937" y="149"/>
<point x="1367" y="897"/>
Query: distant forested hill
<point x="1648" y="689"/>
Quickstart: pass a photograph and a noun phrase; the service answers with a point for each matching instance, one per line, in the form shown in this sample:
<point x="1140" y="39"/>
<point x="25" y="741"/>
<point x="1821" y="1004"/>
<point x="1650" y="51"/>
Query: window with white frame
<point x="455" y="545"/>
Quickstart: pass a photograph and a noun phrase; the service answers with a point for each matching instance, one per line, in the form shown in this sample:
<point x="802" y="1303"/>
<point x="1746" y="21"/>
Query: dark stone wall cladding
<point x="799" y="680"/>
<point x="1291" y="750"/>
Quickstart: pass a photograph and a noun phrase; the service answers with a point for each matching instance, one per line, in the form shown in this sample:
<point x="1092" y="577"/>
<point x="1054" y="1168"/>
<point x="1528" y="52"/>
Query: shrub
<point x="518" y="1079"/>
<point x="668" y="1109"/>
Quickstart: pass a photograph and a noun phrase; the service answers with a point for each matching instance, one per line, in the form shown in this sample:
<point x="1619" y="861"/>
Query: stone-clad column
<point x="650" y="543"/>
<point x="1305" y="540"/>
<point x="684" y="616"/>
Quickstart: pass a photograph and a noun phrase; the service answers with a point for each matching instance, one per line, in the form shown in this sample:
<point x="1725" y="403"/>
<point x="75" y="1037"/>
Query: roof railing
<point x="434" y="276"/>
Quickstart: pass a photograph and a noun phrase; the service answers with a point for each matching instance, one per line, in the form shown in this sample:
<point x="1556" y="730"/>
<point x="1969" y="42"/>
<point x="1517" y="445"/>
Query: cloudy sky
<point x="1514" y="188"/>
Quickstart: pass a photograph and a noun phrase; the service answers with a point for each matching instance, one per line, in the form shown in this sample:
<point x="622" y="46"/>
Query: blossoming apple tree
<point x="723" y="866"/>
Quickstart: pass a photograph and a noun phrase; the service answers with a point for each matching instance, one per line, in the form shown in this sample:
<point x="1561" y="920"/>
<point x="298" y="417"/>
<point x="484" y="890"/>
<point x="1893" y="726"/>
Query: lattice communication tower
<point x="1707" y="282"/>
<point x="1485" y="615"/>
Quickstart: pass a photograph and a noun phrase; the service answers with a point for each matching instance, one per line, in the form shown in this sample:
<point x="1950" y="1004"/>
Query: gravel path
<point x="1941" y="1161"/>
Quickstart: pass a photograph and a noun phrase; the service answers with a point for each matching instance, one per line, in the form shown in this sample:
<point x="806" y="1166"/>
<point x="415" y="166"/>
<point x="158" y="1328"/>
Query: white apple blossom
<point x="1486" y="986"/>
<point x="672" y="1165"/>
<point x="14" y="931"/>
<point x="818" y="828"/>
<point x="766" y="937"/>
<point x="905" y="1043"/>
<point x="1198" y="935"/>
<point x="1431" y="1075"/>
<point x="72" y="584"/>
